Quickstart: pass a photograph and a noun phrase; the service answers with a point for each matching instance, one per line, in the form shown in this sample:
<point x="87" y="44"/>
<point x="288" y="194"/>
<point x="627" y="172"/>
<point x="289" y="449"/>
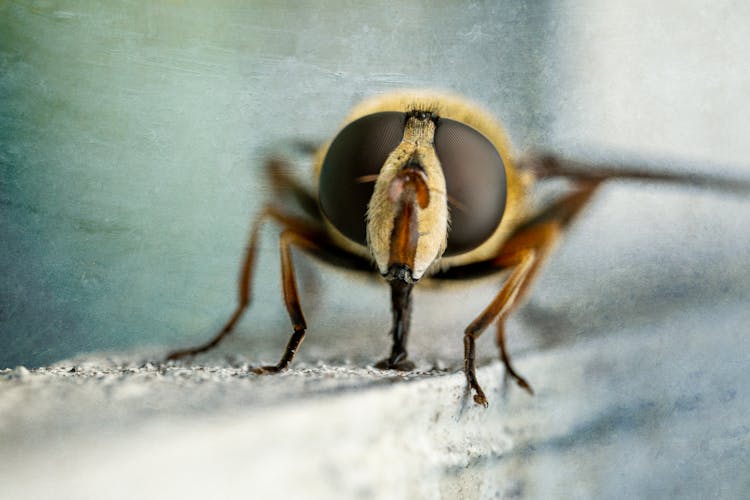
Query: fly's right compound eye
<point x="358" y="151"/>
<point x="475" y="180"/>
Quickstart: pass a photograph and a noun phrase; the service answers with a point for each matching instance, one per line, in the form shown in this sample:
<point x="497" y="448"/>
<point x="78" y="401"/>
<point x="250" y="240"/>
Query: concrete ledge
<point x="631" y="414"/>
<point x="123" y="431"/>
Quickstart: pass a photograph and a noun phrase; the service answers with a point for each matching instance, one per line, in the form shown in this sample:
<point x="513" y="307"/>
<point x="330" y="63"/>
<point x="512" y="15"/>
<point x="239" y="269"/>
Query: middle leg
<point x="316" y="245"/>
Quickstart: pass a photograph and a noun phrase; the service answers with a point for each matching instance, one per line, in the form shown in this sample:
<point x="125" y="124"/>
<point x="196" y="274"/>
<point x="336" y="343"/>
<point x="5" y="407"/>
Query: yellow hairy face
<point x="416" y="148"/>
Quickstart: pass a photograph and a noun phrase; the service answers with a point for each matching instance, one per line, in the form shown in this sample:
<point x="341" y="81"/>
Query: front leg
<point x="401" y="310"/>
<point x="316" y="244"/>
<point x="291" y="298"/>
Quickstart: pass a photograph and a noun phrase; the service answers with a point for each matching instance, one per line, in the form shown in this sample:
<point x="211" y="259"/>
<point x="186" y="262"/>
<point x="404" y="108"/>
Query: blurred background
<point x="133" y="137"/>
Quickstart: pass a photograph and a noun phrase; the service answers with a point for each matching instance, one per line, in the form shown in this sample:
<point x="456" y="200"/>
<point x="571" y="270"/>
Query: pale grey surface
<point x="625" y="415"/>
<point x="131" y="138"/>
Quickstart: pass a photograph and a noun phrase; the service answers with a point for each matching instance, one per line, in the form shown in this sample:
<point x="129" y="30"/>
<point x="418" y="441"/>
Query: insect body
<point x="422" y="185"/>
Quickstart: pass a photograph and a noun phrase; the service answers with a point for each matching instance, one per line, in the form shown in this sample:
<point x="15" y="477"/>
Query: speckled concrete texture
<point x="629" y="413"/>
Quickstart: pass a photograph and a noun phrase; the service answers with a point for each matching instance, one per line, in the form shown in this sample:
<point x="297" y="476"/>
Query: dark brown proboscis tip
<point x="476" y="182"/>
<point x="358" y="151"/>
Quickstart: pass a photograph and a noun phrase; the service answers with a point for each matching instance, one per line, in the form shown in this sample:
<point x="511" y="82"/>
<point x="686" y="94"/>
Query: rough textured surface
<point x="625" y="414"/>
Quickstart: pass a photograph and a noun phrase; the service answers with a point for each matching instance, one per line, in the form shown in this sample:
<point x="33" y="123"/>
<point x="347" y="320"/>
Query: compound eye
<point x="475" y="179"/>
<point x="353" y="160"/>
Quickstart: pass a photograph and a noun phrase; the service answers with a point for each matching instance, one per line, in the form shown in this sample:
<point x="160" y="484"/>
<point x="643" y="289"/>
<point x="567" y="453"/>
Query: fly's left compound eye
<point x="475" y="180"/>
<point x="356" y="154"/>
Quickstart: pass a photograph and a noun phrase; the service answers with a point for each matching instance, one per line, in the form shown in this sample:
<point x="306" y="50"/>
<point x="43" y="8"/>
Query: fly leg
<point x="318" y="245"/>
<point x="523" y="254"/>
<point x="303" y="234"/>
<point x="291" y="299"/>
<point x="546" y="165"/>
<point x="243" y="299"/>
<point x="522" y="260"/>
<point x="401" y="309"/>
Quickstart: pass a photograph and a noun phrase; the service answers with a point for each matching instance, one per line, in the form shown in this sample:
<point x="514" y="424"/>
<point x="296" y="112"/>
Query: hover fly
<point x="418" y="186"/>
